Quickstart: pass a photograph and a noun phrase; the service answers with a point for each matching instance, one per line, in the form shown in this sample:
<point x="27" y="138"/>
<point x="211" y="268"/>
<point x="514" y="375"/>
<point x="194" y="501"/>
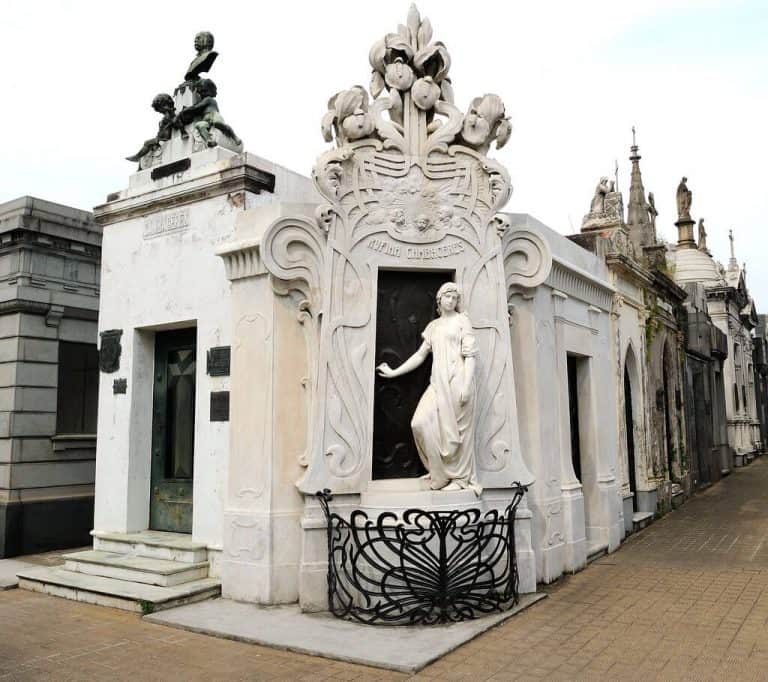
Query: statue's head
<point x="206" y="88"/>
<point x="684" y="180"/>
<point x="163" y="103"/>
<point x="448" y="297"/>
<point x="204" y="41"/>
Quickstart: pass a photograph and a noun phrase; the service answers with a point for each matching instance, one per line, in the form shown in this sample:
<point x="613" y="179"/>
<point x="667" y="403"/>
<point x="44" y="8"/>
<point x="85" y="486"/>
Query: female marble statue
<point x="444" y="421"/>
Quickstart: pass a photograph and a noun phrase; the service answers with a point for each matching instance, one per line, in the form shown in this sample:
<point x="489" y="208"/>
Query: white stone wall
<point x="567" y="315"/>
<point x="159" y="272"/>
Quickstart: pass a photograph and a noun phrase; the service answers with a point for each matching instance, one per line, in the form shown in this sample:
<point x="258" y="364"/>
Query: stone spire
<point x="733" y="264"/>
<point x="641" y="228"/>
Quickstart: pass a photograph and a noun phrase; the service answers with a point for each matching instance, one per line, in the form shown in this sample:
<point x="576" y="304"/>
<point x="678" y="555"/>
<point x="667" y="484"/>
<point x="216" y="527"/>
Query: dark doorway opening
<point x="173" y="431"/>
<point x="573" y="410"/>
<point x="629" y="423"/>
<point x="405" y="305"/>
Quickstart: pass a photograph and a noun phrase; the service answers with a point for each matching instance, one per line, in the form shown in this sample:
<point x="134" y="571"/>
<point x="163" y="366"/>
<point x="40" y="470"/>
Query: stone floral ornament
<point x="348" y="118"/>
<point x="413" y="70"/>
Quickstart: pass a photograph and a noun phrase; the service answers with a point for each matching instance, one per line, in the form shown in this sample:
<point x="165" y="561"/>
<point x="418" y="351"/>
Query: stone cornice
<point x="242" y="177"/>
<point x="579" y="284"/>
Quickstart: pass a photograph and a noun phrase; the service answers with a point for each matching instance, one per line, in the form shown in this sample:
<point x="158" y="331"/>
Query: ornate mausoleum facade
<point x="279" y="351"/>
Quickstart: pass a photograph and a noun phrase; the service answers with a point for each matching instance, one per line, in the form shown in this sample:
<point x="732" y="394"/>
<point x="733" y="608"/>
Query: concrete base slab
<point x="8" y="570"/>
<point x="406" y="649"/>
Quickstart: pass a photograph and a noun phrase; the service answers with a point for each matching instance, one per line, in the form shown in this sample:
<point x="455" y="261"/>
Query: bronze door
<point x="405" y="305"/>
<point x="173" y="431"/>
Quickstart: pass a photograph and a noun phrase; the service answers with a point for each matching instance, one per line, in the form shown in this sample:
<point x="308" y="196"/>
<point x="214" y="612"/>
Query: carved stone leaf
<point x="424" y="34"/>
<point x="446" y="133"/>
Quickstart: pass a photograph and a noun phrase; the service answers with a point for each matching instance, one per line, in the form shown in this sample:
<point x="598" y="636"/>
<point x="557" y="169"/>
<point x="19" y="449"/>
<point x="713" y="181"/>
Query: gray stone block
<point x="49" y="474"/>
<point x="7" y="374"/>
<point x="33" y="424"/>
<point x="79" y="331"/>
<point x="9" y="325"/>
<point x="38" y="350"/>
<point x="7" y="399"/>
<point x="36" y="374"/>
<point x="29" y="399"/>
<point x="34" y="326"/>
<point x="9" y="349"/>
<point x="5" y="424"/>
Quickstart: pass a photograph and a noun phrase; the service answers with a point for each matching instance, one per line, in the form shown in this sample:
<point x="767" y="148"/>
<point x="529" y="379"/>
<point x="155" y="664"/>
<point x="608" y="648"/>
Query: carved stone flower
<point x="433" y="61"/>
<point x="425" y="92"/>
<point x="384" y="53"/>
<point x="398" y="75"/>
<point x="485" y="121"/>
<point x="348" y="116"/>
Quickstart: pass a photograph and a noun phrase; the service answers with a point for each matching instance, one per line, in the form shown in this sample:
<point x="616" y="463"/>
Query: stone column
<point x="262" y="507"/>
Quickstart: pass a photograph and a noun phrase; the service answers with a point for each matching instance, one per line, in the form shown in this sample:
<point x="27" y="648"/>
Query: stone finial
<point x="733" y="264"/>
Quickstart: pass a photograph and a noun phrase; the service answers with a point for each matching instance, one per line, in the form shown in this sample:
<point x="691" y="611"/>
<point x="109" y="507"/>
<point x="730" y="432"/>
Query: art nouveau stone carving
<point x="408" y="187"/>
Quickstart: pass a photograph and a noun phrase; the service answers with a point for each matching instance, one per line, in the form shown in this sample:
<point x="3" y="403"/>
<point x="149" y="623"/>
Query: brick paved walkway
<point x="687" y="599"/>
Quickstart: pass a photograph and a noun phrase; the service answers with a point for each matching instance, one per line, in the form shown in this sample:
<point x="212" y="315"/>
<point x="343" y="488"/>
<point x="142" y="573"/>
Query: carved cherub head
<point x="348" y="116"/>
<point x="485" y="121"/>
<point x="163" y="104"/>
<point x="204" y="41"/>
<point x="398" y="218"/>
<point x="206" y="88"/>
<point x="422" y="223"/>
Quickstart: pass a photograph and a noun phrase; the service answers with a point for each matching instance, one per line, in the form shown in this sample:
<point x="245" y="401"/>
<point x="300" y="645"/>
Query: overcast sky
<point x="575" y="76"/>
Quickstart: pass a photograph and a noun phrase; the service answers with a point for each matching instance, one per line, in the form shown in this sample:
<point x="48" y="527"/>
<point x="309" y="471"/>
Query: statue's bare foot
<point x="425" y="477"/>
<point x="438" y="485"/>
<point x="452" y="486"/>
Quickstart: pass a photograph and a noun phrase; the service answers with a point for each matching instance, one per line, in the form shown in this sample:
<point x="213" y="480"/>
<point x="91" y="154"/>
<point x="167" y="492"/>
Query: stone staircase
<point x="142" y="572"/>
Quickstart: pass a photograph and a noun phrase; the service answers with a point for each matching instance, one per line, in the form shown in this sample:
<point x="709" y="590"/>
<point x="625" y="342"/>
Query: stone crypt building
<point x="49" y="300"/>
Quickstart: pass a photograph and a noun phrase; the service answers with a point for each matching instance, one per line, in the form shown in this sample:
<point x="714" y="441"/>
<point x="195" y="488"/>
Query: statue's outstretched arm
<point x="384" y="370"/>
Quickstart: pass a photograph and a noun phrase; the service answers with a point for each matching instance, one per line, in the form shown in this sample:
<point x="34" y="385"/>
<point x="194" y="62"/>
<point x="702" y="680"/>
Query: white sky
<point x="575" y="76"/>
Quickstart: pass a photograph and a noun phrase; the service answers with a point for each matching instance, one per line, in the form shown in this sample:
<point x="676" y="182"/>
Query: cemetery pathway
<point x="686" y="599"/>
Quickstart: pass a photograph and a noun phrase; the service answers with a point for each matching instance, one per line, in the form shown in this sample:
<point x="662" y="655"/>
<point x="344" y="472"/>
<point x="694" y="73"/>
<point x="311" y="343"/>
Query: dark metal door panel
<point x="405" y="305"/>
<point x="173" y="431"/>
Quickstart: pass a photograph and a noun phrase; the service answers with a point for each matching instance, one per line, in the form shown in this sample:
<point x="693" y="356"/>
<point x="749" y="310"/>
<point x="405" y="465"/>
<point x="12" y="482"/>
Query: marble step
<point x="118" y="594"/>
<point x="134" y="568"/>
<point x="641" y="519"/>
<point x="153" y="544"/>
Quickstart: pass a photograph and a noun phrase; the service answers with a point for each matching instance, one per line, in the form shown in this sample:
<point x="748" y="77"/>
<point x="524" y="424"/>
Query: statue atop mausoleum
<point x="191" y="120"/>
<point x="684" y="197"/>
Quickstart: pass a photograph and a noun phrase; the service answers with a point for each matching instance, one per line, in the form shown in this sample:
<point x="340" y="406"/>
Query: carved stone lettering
<point x="166" y="223"/>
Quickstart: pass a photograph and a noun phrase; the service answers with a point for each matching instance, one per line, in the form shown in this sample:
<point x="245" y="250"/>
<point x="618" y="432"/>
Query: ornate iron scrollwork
<point x="431" y="567"/>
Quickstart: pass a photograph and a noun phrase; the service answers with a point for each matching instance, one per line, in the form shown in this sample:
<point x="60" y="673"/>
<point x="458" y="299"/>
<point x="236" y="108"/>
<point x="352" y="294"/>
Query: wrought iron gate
<point x="428" y="567"/>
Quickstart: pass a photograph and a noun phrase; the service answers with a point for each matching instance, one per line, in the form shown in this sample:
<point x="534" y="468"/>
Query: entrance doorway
<point x="405" y="306"/>
<point x="573" y="410"/>
<point x="629" y="424"/>
<point x="173" y="431"/>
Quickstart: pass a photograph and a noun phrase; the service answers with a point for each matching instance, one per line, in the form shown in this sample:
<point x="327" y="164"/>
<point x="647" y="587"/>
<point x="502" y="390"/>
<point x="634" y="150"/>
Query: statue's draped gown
<point x="443" y="428"/>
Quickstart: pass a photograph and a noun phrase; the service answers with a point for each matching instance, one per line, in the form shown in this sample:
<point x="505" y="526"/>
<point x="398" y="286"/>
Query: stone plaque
<point x="171" y="168"/>
<point x="218" y="361"/>
<point x="109" y="353"/>
<point x="219" y="406"/>
<point x="120" y="386"/>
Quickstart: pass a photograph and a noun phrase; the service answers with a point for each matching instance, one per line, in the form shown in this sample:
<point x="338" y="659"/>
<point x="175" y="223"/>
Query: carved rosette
<point x="408" y="187"/>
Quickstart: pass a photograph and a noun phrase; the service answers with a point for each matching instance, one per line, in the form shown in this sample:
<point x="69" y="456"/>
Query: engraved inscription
<point x="415" y="252"/>
<point x="165" y="223"/>
<point x="432" y="252"/>
<point x="383" y="246"/>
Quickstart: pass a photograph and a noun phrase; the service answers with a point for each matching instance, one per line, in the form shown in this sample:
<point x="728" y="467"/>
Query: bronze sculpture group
<point x="202" y="116"/>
